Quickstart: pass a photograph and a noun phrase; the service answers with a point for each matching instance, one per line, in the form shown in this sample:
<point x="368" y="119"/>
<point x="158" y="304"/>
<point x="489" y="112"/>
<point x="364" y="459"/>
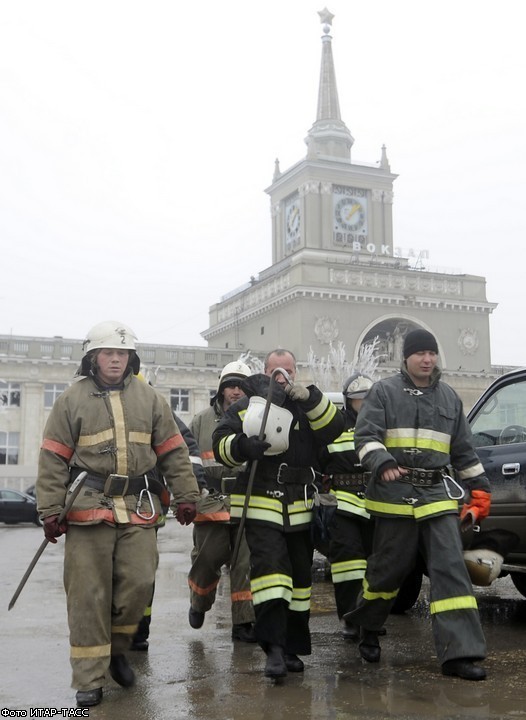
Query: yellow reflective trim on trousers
<point x="303" y="518"/>
<point x="274" y="593"/>
<point x="348" y="570"/>
<point x="91" y="651"/>
<point x="267" y="581"/>
<point x="435" y="508"/>
<point x="300" y="601"/>
<point x="389" y="508"/>
<point x="299" y="605"/>
<point x="368" y="595"/>
<point x="328" y="410"/>
<point x="462" y="602"/>
<point x="123" y="629"/>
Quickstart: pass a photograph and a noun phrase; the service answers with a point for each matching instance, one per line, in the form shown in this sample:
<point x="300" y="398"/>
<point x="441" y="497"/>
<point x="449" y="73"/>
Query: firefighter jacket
<point x="284" y="484"/>
<point x="193" y="450"/>
<point x="425" y="428"/>
<point x="118" y="436"/>
<point x="216" y="506"/>
<point x="343" y="475"/>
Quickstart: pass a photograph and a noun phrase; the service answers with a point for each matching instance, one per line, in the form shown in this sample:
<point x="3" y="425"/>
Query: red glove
<point x="53" y="529"/>
<point x="479" y="506"/>
<point x="185" y="513"/>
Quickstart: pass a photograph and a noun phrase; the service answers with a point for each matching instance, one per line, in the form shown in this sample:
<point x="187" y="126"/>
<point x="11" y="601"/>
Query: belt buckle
<point x="116" y="485"/>
<point x="280" y="468"/>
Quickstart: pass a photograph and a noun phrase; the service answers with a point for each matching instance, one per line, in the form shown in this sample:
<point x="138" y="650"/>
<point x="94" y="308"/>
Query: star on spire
<point x="325" y="16"/>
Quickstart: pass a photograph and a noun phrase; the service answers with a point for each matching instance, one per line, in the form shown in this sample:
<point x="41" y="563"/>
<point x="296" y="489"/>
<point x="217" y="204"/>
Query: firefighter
<point x="280" y="506"/>
<point x="120" y="430"/>
<point x="140" y="640"/>
<point x="410" y="429"/>
<point x="351" y="529"/>
<point x="214" y="534"/>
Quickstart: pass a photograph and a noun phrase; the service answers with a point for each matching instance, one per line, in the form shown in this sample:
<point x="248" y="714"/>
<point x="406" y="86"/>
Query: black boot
<point x="244" y="632"/>
<point x="369" y="646"/>
<point x="463" y="668"/>
<point x="275" y="666"/>
<point x="120" y="671"/>
<point x="196" y="618"/>
<point x="293" y="663"/>
<point x="89" y="698"/>
<point x="350" y="631"/>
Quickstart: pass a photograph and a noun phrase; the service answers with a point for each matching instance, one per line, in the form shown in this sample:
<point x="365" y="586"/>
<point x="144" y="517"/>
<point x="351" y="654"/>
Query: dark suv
<point x="498" y="424"/>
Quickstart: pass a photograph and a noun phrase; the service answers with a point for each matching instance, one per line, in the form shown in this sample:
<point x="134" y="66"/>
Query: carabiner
<point x="150" y="500"/>
<point x="445" y="479"/>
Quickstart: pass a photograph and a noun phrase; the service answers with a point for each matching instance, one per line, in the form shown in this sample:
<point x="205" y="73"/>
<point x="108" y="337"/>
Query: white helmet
<point x="277" y="426"/>
<point x="236" y="370"/>
<point x="483" y="565"/>
<point x="357" y="386"/>
<point x="109" y="334"/>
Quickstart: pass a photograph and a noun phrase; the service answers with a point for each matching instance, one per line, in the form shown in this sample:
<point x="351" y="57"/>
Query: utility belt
<point x="348" y="479"/>
<point x="423" y="478"/>
<point x="118" y="485"/>
<point x="285" y="474"/>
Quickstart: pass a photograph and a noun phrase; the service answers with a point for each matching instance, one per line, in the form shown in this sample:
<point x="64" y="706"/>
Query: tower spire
<point x="329" y="136"/>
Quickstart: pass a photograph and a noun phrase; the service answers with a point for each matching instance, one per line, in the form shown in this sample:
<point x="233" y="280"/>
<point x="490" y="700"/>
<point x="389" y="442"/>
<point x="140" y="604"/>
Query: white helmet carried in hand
<point x="483" y="565"/>
<point x="277" y="427"/>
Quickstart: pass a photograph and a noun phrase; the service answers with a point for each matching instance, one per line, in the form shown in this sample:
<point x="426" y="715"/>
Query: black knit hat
<point x="419" y="341"/>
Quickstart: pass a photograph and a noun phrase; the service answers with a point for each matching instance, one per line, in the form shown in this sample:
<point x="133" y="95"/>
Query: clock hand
<point x="351" y="212"/>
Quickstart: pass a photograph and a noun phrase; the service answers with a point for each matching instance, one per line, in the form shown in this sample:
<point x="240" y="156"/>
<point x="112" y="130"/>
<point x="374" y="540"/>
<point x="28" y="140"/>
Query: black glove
<point x="53" y="529"/>
<point x="252" y="448"/>
<point x="185" y="513"/>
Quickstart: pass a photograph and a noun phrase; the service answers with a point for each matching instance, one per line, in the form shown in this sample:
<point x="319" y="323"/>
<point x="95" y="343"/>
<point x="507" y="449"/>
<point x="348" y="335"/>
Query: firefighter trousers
<point x="455" y="619"/>
<point x="281" y="578"/>
<point x="213" y="546"/>
<point x="350" y="544"/>
<point x="109" y="572"/>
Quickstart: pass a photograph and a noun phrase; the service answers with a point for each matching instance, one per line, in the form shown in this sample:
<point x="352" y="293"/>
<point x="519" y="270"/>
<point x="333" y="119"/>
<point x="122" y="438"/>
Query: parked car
<point x="17" y="507"/>
<point x="498" y="424"/>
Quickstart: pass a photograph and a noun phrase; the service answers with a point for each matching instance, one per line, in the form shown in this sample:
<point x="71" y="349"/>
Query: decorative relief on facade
<point x="468" y="341"/>
<point x="326" y="330"/>
<point x="311" y="187"/>
<point x="394" y="281"/>
<point x="386" y="195"/>
<point x="326" y="188"/>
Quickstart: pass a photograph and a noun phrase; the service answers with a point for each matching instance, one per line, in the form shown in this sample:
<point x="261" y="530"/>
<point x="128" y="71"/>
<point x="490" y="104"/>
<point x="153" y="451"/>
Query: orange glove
<point x="478" y="507"/>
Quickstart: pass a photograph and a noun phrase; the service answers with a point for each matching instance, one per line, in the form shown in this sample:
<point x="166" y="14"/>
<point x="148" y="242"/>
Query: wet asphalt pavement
<point x="202" y="675"/>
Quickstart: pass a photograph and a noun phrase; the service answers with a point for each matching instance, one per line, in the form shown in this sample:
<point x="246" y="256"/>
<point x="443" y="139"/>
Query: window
<point x="502" y="419"/>
<point x="179" y="400"/>
<point x="51" y="393"/>
<point x="9" y="448"/>
<point x="9" y="394"/>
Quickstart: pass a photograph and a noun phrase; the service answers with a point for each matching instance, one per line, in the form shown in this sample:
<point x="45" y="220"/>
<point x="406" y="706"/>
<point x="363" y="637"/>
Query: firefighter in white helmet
<point x="351" y="529"/>
<point x="214" y="534"/>
<point x="122" y="432"/>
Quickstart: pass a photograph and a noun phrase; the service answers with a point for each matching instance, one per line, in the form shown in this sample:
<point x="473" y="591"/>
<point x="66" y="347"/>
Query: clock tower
<point x="335" y="277"/>
<point x="325" y="202"/>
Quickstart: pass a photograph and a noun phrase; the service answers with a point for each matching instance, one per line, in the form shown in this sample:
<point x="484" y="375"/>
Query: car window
<point x="10" y="495"/>
<point x="501" y="420"/>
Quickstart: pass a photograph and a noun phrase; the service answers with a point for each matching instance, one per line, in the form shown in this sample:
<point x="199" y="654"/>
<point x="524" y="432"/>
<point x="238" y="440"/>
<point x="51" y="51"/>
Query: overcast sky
<point x="136" y="140"/>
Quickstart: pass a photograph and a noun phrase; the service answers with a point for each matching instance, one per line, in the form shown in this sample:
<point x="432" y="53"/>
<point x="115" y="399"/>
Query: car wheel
<point x="408" y="593"/>
<point x="519" y="580"/>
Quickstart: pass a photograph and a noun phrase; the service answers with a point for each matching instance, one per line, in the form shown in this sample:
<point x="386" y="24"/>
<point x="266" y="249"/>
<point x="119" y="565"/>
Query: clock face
<point x="292" y="222"/>
<point x="350" y="214"/>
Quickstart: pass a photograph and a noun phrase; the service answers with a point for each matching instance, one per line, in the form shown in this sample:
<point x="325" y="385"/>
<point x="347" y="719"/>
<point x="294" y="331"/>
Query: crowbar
<point x="73" y="491"/>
